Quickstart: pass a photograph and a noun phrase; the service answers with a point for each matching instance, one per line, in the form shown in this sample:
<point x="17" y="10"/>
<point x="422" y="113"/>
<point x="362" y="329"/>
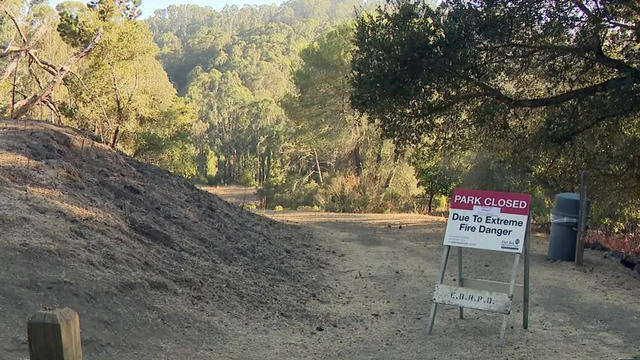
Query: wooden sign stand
<point x="493" y="301"/>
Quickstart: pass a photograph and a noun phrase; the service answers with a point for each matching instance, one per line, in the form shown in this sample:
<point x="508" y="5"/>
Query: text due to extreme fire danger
<point x="488" y="220"/>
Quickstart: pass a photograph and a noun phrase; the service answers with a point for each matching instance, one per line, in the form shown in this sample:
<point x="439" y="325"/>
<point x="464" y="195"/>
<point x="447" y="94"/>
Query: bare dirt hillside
<point x="156" y="268"/>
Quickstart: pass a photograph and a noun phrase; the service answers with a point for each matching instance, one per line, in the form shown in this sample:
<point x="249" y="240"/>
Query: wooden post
<point x="512" y="285"/>
<point x="582" y="221"/>
<point x="55" y="335"/>
<point x="527" y="264"/>
<point x="460" y="282"/>
<point x="443" y="269"/>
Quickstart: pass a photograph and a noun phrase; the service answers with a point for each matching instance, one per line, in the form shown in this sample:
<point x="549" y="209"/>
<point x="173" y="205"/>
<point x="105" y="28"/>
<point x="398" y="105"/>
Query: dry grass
<point x="626" y="243"/>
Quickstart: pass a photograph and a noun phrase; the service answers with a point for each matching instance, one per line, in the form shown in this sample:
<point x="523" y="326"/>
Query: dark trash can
<point x="564" y="227"/>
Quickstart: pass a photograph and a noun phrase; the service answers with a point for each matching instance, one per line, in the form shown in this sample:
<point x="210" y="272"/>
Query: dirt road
<point x="378" y="300"/>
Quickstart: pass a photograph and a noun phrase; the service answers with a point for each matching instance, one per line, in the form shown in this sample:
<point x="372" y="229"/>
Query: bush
<point x="626" y="243"/>
<point x="289" y="195"/>
<point x="343" y="194"/>
<point x="314" y="208"/>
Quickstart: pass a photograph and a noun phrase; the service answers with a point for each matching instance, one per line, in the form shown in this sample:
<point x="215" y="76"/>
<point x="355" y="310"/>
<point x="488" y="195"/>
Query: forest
<point x="345" y="105"/>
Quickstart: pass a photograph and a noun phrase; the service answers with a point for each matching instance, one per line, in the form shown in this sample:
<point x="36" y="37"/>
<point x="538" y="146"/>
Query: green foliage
<point x="320" y="110"/>
<point x="336" y="149"/>
<point x="125" y="95"/>
<point x="437" y="174"/>
<point x="119" y="92"/>
<point x="235" y="66"/>
<point x="166" y="140"/>
<point x="78" y="24"/>
<point x="116" y="9"/>
<point x="539" y="90"/>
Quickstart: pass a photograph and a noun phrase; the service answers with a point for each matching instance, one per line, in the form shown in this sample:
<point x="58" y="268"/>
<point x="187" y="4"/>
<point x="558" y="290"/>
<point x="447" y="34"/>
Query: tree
<point x="438" y="175"/>
<point x="492" y="56"/>
<point x="552" y="83"/>
<point x="338" y="153"/>
<point x="321" y="110"/>
<point x="235" y="66"/>
<point x="122" y="83"/>
<point x="222" y="103"/>
<point x="43" y="94"/>
<point x="121" y="91"/>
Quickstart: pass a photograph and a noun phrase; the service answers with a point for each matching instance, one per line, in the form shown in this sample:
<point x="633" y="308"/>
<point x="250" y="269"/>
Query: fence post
<point x="582" y="221"/>
<point x="55" y="335"/>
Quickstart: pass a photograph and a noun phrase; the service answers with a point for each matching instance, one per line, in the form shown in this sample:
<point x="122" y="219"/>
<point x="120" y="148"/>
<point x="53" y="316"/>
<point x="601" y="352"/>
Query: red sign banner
<point x="488" y="220"/>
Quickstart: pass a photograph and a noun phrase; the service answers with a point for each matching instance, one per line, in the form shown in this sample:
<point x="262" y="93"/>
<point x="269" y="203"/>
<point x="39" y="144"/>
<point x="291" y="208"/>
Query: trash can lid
<point x="567" y="204"/>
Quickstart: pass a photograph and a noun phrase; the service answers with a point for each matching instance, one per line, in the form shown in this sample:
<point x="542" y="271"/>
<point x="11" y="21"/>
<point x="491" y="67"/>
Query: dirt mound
<point x="155" y="267"/>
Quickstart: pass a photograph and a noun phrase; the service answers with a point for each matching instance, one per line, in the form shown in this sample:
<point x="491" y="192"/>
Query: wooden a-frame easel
<point x="500" y="302"/>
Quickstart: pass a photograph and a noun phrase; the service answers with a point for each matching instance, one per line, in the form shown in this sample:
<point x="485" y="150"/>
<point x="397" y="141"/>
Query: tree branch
<point x="133" y="92"/>
<point x="550" y="100"/>
<point x="20" y="53"/>
<point x="594" y="123"/>
<point x="10" y="68"/>
<point x="46" y="66"/>
<point x="27" y="104"/>
<point x="571" y="95"/>
<point x="11" y="51"/>
<point x="619" y="65"/>
<point x="34" y="75"/>
<point x="15" y="22"/>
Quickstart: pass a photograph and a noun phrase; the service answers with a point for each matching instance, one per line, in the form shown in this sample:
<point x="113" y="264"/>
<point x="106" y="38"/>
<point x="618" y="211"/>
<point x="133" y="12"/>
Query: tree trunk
<point x="261" y="161"/>
<point x="114" y="138"/>
<point x="226" y="172"/>
<point x="321" y="180"/>
<point x="430" y="202"/>
<point x="13" y="88"/>
<point x="202" y="161"/>
<point x="357" y="161"/>
<point x="396" y="158"/>
<point x="267" y="177"/>
<point x="235" y="167"/>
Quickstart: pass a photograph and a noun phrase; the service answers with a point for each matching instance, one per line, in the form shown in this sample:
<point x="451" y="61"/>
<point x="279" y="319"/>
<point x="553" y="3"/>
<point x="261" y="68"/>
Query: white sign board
<point x="472" y="298"/>
<point x="488" y="220"/>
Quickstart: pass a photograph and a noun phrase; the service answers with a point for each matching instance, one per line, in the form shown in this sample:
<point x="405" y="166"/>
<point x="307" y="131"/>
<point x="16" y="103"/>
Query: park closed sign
<point x="485" y="220"/>
<point x="488" y="220"/>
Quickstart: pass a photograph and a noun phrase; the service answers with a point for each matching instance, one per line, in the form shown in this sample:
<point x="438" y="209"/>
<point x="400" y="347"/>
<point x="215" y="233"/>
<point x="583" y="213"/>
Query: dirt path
<point x="385" y="267"/>
<point x="237" y="195"/>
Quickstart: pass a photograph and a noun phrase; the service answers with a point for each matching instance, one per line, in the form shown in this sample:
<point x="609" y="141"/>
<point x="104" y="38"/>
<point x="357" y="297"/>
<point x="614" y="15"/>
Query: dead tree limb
<point x="8" y="71"/>
<point x="20" y="53"/>
<point x="27" y="104"/>
<point x="11" y="51"/>
<point x="119" y="107"/>
<point x="15" y="22"/>
<point x="34" y="75"/>
<point x="46" y="66"/>
<point x="13" y="85"/>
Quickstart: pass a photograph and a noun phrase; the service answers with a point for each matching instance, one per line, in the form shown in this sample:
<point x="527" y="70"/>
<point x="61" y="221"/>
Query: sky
<point x="149" y="6"/>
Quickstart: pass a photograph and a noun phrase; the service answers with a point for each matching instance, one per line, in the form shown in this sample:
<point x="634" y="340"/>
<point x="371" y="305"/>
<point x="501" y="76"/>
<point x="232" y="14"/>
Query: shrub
<point x="314" y="208"/>
<point x="626" y="243"/>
